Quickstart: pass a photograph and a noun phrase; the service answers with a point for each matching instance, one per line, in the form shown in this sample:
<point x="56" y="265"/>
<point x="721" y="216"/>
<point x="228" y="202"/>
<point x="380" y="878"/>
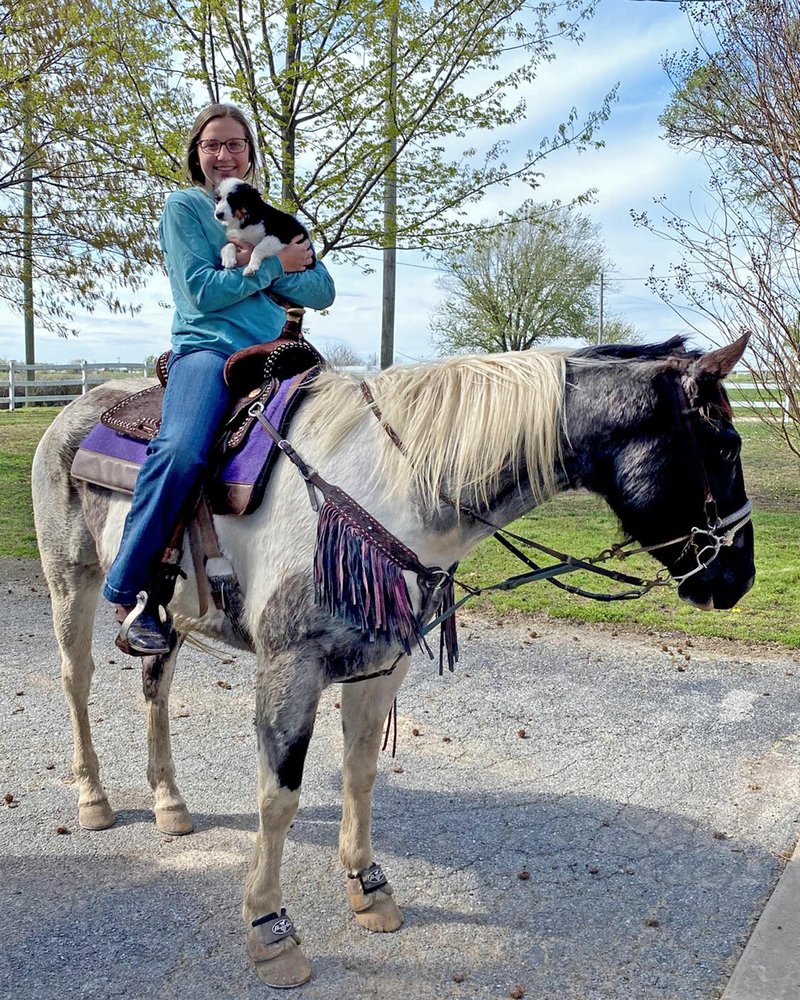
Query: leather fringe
<point x="448" y="637"/>
<point x="355" y="580"/>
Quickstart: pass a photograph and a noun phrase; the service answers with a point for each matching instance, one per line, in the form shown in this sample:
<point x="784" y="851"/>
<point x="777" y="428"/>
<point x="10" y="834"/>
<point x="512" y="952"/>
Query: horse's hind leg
<point x="172" y="816"/>
<point x="365" y="707"/>
<point x="73" y="594"/>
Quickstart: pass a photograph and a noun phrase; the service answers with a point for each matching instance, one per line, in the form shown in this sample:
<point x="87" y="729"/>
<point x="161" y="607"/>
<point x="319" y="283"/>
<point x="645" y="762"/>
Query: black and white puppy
<point x="243" y="212"/>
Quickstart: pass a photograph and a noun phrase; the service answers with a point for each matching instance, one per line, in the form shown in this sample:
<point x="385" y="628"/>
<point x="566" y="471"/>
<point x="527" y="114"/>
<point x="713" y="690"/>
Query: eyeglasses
<point x="233" y="146"/>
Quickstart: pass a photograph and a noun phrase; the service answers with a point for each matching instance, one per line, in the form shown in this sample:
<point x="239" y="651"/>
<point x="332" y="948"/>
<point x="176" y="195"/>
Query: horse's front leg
<point x="172" y="816"/>
<point x="365" y="707"/>
<point x="288" y="691"/>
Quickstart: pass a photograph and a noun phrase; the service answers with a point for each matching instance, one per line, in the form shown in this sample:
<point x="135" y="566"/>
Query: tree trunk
<point x="27" y="256"/>
<point x="294" y="44"/>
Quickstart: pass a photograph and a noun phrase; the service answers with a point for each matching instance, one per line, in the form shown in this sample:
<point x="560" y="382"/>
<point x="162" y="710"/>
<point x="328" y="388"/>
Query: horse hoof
<point x="96" y="815"/>
<point x="287" y="967"/>
<point x="383" y="917"/>
<point x="176" y="821"/>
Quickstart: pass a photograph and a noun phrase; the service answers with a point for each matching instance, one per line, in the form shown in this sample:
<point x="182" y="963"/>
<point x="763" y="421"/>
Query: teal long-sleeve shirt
<point x="220" y="309"/>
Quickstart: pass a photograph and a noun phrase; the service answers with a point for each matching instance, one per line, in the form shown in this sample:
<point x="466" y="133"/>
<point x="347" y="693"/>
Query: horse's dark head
<point x="660" y="445"/>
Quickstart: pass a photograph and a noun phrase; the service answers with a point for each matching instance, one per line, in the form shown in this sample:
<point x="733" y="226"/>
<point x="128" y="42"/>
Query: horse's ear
<point x="720" y="363"/>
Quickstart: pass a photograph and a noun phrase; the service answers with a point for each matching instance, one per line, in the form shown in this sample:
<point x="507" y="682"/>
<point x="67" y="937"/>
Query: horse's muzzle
<point x="716" y="594"/>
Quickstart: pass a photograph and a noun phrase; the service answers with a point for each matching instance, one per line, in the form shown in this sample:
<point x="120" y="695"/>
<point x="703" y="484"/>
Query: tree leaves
<point x="315" y="80"/>
<point x="737" y="101"/>
<point x="96" y="99"/>
<point x="524" y="282"/>
<point x="89" y="111"/>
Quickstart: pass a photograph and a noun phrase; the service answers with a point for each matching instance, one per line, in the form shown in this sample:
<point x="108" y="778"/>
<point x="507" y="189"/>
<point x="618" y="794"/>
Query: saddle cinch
<point x="274" y="374"/>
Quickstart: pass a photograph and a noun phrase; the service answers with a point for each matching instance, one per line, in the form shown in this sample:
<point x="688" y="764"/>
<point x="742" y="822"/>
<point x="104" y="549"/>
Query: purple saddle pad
<point x="112" y="460"/>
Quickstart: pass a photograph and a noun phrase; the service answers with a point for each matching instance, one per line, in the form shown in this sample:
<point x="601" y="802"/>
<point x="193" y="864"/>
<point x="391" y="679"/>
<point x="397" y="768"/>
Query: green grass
<point x="579" y="524"/>
<point x="582" y="525"/>
<point x="20" y="431"/>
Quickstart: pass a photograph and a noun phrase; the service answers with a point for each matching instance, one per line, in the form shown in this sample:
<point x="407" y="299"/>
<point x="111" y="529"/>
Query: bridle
<point x="436" y="583"/>
<point x="717" y="538"/>
<point x="718" y="532"/>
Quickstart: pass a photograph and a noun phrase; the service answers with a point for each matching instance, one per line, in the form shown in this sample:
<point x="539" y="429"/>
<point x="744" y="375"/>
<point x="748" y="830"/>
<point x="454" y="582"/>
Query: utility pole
<point x="600" y="318"/>
<point x="390" y="195"/>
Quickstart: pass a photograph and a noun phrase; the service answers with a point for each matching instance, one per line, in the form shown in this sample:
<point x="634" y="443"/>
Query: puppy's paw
<point x="228" y="255"/>
<point x="250" y="269"/>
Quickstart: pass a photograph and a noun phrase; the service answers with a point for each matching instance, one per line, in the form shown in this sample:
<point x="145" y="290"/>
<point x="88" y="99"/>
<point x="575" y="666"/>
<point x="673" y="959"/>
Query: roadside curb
<point x="769" y="968"/>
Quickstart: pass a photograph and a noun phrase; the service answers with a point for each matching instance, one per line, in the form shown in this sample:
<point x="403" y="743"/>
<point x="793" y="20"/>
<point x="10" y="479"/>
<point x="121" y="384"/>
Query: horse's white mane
<point x="462" y="421"/>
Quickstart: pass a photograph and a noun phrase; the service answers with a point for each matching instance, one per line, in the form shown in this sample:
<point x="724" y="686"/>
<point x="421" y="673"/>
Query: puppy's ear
<point x="250" y="197"/>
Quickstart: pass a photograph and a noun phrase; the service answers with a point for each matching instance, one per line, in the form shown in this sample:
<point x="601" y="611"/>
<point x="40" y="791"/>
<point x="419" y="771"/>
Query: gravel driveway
<point x="572" y="815"/>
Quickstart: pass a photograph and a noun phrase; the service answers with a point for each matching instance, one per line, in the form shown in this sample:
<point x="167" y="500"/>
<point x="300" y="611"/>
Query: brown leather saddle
<point x="250" y="374"/>
<point x="274" y="374"/>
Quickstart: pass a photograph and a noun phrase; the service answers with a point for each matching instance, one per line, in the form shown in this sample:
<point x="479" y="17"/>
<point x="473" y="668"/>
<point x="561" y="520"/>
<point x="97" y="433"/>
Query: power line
<point x="614" y="277"/>
<point x="402" y="263"/>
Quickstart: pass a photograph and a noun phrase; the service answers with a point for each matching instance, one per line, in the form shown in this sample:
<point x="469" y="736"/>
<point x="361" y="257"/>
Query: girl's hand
<point x="296" y="256"/>
<point x="243" y="251"/>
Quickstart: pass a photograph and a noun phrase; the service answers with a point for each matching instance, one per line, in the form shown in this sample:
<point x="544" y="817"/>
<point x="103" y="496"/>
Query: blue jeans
<point x="195" y="402"/>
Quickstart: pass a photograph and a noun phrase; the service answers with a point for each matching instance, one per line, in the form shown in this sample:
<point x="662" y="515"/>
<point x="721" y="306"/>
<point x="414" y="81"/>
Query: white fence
<point x="21" y="385"/>
<point x="733" y="388"/>
<point x="18" y="388"/>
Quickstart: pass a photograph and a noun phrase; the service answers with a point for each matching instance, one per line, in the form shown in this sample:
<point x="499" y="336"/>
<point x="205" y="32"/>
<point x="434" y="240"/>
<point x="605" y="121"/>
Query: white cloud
<point x="624" y="44"/>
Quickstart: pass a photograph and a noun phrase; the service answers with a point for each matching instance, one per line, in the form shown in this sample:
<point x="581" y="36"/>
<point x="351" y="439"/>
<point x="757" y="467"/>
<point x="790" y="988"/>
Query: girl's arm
<point x="312" y="288"/>
<point x="195" y="268"/>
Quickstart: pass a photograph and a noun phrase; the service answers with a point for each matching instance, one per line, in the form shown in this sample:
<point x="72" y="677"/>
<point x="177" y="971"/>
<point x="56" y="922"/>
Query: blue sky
<point x="624" y="44"/>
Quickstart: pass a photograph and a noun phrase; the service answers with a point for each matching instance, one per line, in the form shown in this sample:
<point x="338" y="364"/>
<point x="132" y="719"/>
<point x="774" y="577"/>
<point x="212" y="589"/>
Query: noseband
<point x="704" y="543"/>
<point x="716" y="538"/>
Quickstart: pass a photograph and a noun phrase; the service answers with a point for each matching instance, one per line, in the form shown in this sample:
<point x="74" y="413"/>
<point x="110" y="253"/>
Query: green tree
<point x="93" y="121"/>
<point x="737" y="102"/>
<point x="525" y="283"/>
<point x="90" y="120"/>
<point x="333" y="122"/>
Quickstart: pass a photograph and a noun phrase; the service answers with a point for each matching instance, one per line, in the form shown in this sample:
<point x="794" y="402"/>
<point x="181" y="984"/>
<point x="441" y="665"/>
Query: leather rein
<point x="718" y="532"/>
<point x="435" y="582"/>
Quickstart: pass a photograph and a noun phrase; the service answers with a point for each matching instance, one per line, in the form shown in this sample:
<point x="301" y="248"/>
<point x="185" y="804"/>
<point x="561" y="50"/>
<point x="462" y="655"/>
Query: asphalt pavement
<point x="572" y="815"/>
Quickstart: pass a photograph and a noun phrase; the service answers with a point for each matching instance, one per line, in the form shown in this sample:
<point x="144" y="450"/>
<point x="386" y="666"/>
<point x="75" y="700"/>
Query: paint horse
<point x="647" y="428"/>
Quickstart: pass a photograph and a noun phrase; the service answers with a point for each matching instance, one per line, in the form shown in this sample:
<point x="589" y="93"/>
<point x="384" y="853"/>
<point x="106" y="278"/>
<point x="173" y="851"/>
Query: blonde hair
<point x="463" y="422"/>
<point x="191" y="161"/>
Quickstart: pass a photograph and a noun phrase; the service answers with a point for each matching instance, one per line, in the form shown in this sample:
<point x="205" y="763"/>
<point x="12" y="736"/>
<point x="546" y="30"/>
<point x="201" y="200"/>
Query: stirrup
<point x="152" y="635"/>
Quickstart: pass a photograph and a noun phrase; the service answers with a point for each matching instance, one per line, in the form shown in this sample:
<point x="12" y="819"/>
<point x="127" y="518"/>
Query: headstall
<point x="436" y="583"/>
<point x="719" y="532"/>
